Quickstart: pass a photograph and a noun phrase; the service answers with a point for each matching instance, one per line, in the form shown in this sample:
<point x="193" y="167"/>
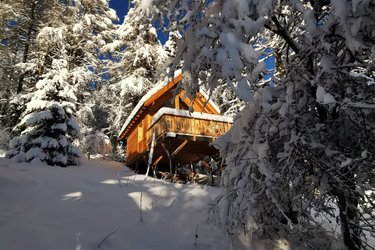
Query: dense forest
<point x="302" y="147"/>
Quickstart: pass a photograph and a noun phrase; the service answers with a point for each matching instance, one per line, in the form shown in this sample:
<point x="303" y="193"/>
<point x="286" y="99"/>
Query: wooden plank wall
<point x="132" y="145"/>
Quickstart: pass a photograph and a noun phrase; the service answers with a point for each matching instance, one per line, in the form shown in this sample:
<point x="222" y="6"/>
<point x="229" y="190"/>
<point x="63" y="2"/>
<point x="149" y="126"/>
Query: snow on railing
<point x="183" y="122"/>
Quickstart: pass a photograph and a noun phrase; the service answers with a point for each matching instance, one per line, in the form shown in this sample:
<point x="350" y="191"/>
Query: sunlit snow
<point x="47" y="207"/>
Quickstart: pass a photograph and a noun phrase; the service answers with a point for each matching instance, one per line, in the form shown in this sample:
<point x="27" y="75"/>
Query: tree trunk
<point x="348" y="212"/>
<point x="27" y="46"/>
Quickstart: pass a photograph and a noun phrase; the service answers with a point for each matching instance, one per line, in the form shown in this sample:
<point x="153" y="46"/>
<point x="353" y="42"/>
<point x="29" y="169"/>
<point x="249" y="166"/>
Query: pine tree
<point x="171" y="44"/>
<point x="139" y="62"/>
<point x="20" y="22"/>
<point x="227" y="100"/>
<point x="64" y="63"/>
<point x="91" y="27"/>
<point x="48" y="125"/>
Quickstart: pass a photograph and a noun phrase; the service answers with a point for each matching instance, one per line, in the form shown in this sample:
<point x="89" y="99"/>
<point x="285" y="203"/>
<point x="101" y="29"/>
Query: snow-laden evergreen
<point x="139" y="63"/>
<point x="96" y="142"/>
<point x="90" y="29"/>
<point x="48" y="125"/>
<point x="61" y="48"/>
<point x="20" y="22"/>
<point x="300" y="154"/>
<point x="171" y="44"/>
<point x="94" y="117"/>
<point x="227" y="100"/>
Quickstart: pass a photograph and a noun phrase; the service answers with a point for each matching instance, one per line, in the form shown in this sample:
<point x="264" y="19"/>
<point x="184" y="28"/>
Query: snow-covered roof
<point x="151" y="93"/>
<point x="141" y="102"/>
<point x="187" y="113"/>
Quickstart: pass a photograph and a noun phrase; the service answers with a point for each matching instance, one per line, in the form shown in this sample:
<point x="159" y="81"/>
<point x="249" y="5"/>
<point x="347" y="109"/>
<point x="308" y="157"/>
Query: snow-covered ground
<point x="45" y="207"/>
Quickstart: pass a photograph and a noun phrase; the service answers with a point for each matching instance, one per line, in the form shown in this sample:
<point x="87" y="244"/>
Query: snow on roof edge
<point x="139" y="105"/>
<point x="187" y="113"/>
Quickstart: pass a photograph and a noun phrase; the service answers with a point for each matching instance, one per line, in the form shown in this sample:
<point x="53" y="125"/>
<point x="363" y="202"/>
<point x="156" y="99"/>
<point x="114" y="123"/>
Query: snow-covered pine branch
<point x="303" y="149"/>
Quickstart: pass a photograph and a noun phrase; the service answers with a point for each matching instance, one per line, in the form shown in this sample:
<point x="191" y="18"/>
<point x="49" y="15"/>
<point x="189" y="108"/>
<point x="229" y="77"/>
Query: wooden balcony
<point x="186" y="136"/>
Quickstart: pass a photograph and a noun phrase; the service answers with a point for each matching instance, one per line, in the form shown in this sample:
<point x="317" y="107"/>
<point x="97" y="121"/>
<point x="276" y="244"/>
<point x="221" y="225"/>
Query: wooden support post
<point x="177" y="102"/>
<point x="151" y="153"/>
<point x="169" y="157"/>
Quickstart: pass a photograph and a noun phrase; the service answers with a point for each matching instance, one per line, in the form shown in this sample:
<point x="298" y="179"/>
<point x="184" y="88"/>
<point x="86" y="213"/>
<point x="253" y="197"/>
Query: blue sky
<point x="121" y="8"/>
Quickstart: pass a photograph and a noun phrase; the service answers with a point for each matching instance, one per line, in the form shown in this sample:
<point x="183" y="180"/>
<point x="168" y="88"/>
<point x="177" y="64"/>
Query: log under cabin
<point x="168" y="128"/>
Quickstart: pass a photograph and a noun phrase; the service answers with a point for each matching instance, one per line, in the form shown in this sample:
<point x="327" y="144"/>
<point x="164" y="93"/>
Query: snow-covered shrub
<point x="4" y="139"/>
<point x="47" y="136"/>
<point x="96" y="143"/>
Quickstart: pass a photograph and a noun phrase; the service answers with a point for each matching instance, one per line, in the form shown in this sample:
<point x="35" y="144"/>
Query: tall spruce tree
<point x="91" y="28"/>
<point x="139" y="62"/>
<point x="20" y="22"/>
<point x="48" y="126"/>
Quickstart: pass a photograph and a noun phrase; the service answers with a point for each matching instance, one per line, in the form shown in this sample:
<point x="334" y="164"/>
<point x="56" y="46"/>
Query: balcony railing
<point x="190" y="126"/>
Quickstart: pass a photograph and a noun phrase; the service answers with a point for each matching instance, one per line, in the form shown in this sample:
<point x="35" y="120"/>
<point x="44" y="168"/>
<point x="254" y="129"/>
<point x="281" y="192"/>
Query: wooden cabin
<point x="167" y="128"/>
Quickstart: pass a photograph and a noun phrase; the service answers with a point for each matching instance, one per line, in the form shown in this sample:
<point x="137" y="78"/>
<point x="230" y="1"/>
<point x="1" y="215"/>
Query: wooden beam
<point x="151" y="154"/>
<point x="200" y="103"/>
<point x="157" y="161"/>
<point x="190" y="103"/>
<point x="177" y="102"/>
<point x="178" y="149"/>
